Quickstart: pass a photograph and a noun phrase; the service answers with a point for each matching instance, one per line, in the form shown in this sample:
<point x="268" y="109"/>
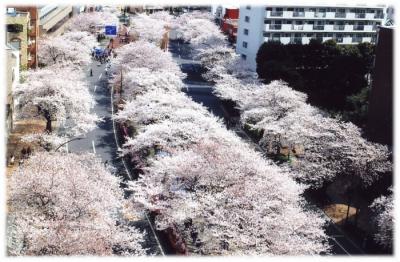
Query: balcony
<point x="338" y="27"/>
<point x="378" y="16"/>
<point x="296" y="40"/>
<point x="358" y="27"/>
<point x="318" y="27"/>
<point x="356" y="39"/>
<point x="360" y="15"/>
<point x="340" y="15"/>
<point x="275" y="27"/>
<point x="298" y="14"/>
<point x="297" y="27"/>
<point x="339" y="39"/>
<point x="277" y="13"/>
<point x="321" y="15"/>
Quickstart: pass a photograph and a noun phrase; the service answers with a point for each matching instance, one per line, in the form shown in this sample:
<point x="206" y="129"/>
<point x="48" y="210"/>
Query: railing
<point x="320" y="15"/>
<point x="356" y="39"/>
<point x="338" y="27"/>
<point x="339" y="39"/>
<point x="318" y="27"/>
<point x="358" y="27"/>
<point x="379" y="16"/>
<point x="277" y="13"/>
<point x="340" y="15"/>
<point x="296" y="40"/>
<point x="276" y="39"/>
<point x="297" y="27"/>
<point x="275" y="27"/>
<point x="298" y="14"/>
<point x="360" y="16"/>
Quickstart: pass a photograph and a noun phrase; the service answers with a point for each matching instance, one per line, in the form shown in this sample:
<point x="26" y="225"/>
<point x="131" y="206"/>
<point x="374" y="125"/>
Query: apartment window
<point x="248" y="7"/>
<point x="265" y="34"/>
<point x="16" y="43"/>
<point x="312" y="10"/>
<point x="290" y="9"/>
<point x="246" y="31"/>
<point x="279" y="9"/>
<point x="247" y="18"/>
<point x="267" y="22"/>
<point x="244" y="44"/>
<point x="268" y="8"/>
<point x="244" y="57"/>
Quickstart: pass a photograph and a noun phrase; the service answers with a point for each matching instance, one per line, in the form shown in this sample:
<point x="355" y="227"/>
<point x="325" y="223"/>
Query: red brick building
<point x="229" y="23"/>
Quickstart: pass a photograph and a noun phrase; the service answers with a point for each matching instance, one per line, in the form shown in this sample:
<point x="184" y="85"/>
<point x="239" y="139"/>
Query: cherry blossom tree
<point x="88" y="21"/>
<point x="144" y="54"/>
<point x="70" y="48"/>
<point x="228" y="200"/>
<point x="383" y="207"/>
<point x="141" y="80"/>
<point x="163" y="16"/>
<point x="184" y="18"/>
<point x="57" y="95"/>
<point x="84" y="38"/>
<point x="154" y="106"/>
<point x="149" y="28"/>
<point x="68" y="204"/>
<point x="201" y="34"/>
<point x="330" y="147"/>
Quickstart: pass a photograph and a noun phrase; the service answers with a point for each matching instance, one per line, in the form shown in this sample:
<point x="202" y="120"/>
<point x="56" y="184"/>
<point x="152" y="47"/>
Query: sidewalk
<point x="14" y="143"/>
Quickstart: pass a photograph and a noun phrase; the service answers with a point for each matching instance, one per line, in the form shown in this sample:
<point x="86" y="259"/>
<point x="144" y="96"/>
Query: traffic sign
<point x="110" y="30"/>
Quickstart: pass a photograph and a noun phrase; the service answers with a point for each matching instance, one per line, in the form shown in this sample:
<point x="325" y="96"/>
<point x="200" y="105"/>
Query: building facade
<point x="53" y="19"/>
<point x="300" y="23"/>
<point x="33" y="34"/>
<point x="17" y="34"/>
<point x="12" y="78"/>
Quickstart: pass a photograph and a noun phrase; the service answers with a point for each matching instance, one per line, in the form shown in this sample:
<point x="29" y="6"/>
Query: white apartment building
<point x="346" y="24"/>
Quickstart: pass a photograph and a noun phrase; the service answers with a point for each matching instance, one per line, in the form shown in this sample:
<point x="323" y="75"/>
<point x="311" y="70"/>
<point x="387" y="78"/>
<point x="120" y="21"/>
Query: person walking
<point x="91" y="72"/>
<point x="28" y="151"/>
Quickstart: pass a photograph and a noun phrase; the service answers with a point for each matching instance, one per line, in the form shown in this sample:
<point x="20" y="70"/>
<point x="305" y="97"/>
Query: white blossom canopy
<point x="68" y="204"/>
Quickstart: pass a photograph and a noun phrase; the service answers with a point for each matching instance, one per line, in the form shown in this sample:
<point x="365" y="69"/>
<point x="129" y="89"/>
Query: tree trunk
<point x="47" y="116"/>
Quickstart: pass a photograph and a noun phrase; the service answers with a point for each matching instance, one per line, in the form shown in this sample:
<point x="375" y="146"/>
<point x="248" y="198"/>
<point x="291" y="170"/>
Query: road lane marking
<point x="127" y="170"/>
<point x="341" y="246"/>
<point x="95" y="88"/>
<point x="94" y="149"/>
<point x="152" y="229"/>
<point x="100" y="75"/>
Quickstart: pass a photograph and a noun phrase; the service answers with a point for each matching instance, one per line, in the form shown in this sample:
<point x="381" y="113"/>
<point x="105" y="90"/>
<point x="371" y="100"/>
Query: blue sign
<point x="110" y="30"/>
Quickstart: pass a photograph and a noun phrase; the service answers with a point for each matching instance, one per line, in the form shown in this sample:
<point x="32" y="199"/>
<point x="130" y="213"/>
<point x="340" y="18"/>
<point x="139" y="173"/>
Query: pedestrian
<point x="91" y="72"/>
<point x="106" y="163"/>
<point x="20" y="162"/>
<point x="23" y="152"/>
<point x="12" y="160"/>
<point x="28" y="151"/>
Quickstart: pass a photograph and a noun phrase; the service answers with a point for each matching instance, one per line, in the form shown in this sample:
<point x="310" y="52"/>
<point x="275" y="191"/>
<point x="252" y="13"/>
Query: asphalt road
<point x="201" y="92"/>
<point x="101" y="141"/>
